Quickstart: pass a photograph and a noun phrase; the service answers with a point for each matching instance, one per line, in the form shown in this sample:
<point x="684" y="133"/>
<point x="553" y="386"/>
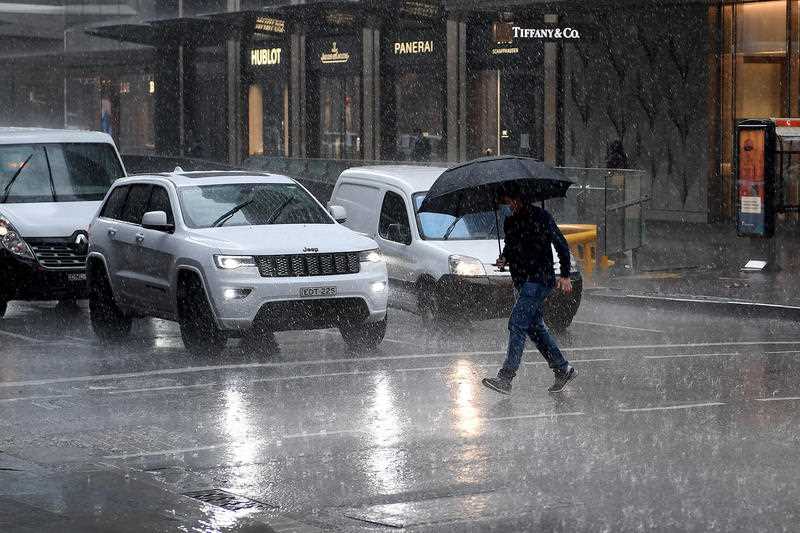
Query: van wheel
<point x="199" y="330"/>
<point x="109" y="323"/>
<point x="364" y="335"/>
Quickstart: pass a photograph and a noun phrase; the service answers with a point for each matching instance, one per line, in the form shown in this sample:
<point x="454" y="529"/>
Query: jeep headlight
<point x="370" y="256"/>
<point x="461" y="265"/>
<point x="12" y="241"/>
<point x="231" y="262"/>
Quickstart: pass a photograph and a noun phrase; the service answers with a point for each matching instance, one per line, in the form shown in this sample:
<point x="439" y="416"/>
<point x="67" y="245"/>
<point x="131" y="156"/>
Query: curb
<point x="706" y="304"/>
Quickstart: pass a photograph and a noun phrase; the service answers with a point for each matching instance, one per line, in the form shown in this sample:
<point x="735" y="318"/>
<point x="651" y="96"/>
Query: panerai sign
<point x="260" y="57"/>
<point x="413" y="48"/>
<point x="334" y="56"/>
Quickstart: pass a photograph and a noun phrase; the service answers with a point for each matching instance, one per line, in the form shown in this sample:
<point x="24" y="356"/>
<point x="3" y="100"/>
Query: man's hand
<point x="501" y="263"/>
<point x="564" y="284"/>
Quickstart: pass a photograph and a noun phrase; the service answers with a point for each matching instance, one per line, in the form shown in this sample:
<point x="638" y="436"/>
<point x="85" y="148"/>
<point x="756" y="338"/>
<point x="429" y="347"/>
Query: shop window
<point x="267" y="113"/>
<point x="761" y="47"/>
<point x="340" y="117"/>
<point x="506" y="113"/>
<point x="414" y="117"/>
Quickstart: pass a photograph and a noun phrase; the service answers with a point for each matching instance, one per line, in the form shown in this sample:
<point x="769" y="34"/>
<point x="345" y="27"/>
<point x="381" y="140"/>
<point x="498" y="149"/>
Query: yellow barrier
<point x="582" y="240"/>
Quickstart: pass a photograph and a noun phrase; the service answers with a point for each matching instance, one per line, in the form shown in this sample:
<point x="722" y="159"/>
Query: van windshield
<point x="472" y="227"/>
<point x="249" y="204"/>
<point x="64" y="172"/>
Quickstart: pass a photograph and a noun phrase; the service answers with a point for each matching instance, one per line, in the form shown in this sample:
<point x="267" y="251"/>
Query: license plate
<point x="312" y="292"/>
<point x="76" y="277"/>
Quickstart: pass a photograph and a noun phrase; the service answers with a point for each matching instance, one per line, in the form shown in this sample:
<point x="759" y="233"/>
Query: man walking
<point x="529" y="233"/>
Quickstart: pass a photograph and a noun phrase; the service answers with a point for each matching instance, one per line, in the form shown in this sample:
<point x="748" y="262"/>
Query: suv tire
<point x="199" y="330"/>
<point x="363" y="335"/>
<point x="109" y="323"/>
<point x="3" y="307"/>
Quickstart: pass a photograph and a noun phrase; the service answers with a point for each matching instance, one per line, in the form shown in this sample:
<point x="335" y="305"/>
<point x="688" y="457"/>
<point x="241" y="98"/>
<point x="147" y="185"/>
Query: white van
<point x="51" y="185"/>
<point x="438" y="267"/>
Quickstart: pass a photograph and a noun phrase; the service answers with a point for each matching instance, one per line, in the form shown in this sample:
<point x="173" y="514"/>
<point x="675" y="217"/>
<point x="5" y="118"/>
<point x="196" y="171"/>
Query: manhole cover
<point x="227" y="500"/>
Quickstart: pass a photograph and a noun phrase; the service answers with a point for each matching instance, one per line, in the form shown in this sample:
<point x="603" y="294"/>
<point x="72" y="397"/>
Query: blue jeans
<point x="527" y="320"/>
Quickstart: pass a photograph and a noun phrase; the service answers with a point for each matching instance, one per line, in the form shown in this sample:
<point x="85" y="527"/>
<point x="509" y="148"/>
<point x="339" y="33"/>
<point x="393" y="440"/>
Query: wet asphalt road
<point x="676" y="422"/>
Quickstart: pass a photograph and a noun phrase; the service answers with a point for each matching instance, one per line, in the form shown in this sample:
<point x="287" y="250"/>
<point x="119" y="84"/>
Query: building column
<point x="168" y="109"/>
<point x="551" y="97"/>
<point x="233" y="79"/>
<point x="370" y="72"/>
<point x="456" y="90"/>
<point x="297" y="95"/>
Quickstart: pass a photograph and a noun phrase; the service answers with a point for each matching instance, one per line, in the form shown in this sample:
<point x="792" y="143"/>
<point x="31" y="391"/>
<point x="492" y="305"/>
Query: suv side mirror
<point x="338" y="213"/>
<point x="399" y="233"/>
<point x="157" y="220"/>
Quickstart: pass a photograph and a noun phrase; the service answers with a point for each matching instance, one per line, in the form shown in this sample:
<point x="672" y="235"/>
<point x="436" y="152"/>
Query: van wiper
<point x="7" y="189"/>
<point x="229" y="214"/>
<point x="451" y="227"/>
<point x="275" y="214"/>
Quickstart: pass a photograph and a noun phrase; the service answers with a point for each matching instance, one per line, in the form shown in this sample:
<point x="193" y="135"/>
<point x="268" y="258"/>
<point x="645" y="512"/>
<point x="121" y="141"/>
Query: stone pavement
<point x="700" y="264"/>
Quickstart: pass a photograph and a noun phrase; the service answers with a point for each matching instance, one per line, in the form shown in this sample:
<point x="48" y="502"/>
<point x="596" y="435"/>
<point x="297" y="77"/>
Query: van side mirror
<point x="399" y="233"/>
<point x="338" y="213"/>
<point x="157" y="220"/>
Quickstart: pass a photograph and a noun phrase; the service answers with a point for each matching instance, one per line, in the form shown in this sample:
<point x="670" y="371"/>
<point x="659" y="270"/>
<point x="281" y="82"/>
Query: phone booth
<point x="755" y="178"/>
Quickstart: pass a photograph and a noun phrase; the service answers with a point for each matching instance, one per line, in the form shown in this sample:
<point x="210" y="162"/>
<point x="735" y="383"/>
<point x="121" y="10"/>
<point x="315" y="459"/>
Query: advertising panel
<point x="755" y="178"/>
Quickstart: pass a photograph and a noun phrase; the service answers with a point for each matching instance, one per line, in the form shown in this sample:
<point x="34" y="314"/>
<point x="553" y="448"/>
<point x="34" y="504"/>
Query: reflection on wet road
<point x="676" y="422"/>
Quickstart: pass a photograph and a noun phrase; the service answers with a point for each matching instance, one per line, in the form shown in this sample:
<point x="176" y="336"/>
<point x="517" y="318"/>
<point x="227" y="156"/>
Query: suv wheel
<point x="109" y="323"/>
<point x="363" y="335"/>
<point x="199" y="330"/>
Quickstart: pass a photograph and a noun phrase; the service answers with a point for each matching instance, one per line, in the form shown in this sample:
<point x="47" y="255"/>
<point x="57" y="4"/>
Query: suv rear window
<point x="58" y="172"/>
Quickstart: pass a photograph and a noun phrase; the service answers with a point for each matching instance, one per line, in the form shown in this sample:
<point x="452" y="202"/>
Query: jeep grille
<point x="300" y="265"/>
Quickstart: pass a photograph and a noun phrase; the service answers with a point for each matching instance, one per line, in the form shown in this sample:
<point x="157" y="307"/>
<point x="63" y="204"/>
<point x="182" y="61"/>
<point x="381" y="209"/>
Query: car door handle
<point x="112" y="232"/>
<point x="139" y="238"/>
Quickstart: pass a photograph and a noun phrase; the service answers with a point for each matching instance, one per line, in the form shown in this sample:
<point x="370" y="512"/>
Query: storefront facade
<point x="662" y="83"/>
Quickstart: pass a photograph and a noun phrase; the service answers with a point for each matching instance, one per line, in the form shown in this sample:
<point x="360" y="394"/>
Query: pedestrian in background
<point x="529" y="233"/>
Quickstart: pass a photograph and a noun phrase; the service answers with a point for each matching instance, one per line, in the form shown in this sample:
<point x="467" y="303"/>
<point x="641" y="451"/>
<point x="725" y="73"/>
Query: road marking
<point x="779" y="399"/>
<point x="671" y="407"/>
<point x="22" y="337"/>
<point x="176" y="451"/>
<point x="689" y="355"/>
<point x="783" y="352"/>
<point x="23" y="398"/>
<point x="616" y="326"/>
<point x="522" y="417"/>
<point x="395" y="341"/>
<point x="287" y="364"/>
<point x="155" y="389"/>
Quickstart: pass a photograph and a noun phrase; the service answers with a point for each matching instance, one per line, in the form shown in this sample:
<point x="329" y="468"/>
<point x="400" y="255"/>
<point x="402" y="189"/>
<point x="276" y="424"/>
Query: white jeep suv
<point x="231" y="254"/>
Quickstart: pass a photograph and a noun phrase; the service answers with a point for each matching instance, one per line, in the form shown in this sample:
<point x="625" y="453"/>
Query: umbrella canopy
<point x="475" y="186"/>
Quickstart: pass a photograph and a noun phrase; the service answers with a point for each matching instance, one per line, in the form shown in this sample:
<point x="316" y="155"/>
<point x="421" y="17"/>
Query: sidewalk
<point x="699" y="265"/>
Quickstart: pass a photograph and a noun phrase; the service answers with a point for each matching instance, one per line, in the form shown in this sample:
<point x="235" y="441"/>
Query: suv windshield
<point x="64" y="172"/>
<point x="249" y="204"/>
<point x="472" y="227"/>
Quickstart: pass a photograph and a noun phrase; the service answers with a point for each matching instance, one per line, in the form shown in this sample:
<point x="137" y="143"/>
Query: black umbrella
<point x="476" y="186"/>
